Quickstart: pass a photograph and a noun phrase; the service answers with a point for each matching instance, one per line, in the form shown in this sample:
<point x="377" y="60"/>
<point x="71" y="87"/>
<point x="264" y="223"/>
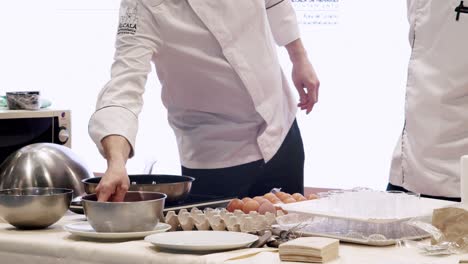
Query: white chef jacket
<point x="435" y="135"/>
<point x="228" y="100"/>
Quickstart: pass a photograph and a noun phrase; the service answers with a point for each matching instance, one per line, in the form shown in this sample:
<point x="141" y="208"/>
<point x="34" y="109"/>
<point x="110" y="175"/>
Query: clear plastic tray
<point x="368" y="206"/>
<point x="365" y="217"/>
<point x="367" y="233"/>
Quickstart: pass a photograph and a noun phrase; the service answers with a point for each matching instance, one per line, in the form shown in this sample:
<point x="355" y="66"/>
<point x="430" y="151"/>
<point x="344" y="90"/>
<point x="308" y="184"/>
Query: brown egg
<point x="246" y="199"/>
<point x="287" y="196"/>
<point x="260" y="199"/>
<point x="312" y="196"/>
<point x="289" y="200"/>
<point x="275" y="200"/>
<point x="301" y="199"/>
<point x="298" y="197"/>
<point x="280" y="194"/>
<point x="266" y="207"/>
<point x="269" y="196"/>
<point x="272" y="198"/>
<point x="250" y="206"/>
<point x="235" y="204"/>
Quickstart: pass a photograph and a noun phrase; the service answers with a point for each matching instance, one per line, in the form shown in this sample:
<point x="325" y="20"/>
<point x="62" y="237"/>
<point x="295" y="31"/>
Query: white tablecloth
<point x="54" y="245"/>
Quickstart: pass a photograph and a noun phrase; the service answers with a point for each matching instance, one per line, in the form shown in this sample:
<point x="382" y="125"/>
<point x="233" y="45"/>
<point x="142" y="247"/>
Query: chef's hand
<point x="115" y="182"/>
<point x="303" y="75"/>
<point x="307" y="84"/>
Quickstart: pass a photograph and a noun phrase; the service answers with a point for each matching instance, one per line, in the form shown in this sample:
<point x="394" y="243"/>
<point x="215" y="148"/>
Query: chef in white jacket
<point x="435" y="134"/>
<point x="228" y="101"/>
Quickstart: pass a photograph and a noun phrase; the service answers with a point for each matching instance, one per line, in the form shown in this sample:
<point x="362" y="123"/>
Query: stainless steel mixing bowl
<point x="34" y="208"/>
<point x="140" y="211"/>
<point x="44" y="165"/>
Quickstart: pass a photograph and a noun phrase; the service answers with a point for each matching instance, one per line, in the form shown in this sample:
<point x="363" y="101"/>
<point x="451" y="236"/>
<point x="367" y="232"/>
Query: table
<point x="54" y="245"/>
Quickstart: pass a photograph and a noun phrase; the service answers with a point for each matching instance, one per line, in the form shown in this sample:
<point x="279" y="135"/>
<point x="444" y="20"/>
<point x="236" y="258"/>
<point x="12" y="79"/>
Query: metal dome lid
<point x="44" y="165"/>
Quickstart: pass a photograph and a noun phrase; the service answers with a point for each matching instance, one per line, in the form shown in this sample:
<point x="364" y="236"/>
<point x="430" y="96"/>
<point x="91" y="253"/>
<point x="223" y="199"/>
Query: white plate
<point x="84" y="229"/>
<point x="201" y="240"/>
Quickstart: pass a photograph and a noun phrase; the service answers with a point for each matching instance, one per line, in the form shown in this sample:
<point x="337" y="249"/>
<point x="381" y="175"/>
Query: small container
<point x="23" y="100"/>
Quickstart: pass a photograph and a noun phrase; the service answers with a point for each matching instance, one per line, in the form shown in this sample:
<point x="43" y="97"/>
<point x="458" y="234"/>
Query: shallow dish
<point x="84" y="229"/>
<point x="201" y="240"/>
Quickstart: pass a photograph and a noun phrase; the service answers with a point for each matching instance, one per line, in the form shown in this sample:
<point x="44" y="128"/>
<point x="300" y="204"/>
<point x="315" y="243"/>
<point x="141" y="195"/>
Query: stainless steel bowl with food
<point x="139" y="212"/>
<point x="177" y="188"/>
<point x="44" y="165"/>
<point x="34" y="208"/>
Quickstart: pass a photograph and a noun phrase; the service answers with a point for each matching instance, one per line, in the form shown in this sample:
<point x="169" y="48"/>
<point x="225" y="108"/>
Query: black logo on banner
<point x="128" y="21"/>
<point x="461" y="9"/>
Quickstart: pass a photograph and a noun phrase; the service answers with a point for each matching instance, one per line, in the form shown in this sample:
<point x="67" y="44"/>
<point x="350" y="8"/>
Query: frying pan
<point x="175" y="187"/>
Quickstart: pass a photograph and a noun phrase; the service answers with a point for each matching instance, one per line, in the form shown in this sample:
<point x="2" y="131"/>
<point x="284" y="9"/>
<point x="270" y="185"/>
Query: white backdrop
<point x="359" y="48"/>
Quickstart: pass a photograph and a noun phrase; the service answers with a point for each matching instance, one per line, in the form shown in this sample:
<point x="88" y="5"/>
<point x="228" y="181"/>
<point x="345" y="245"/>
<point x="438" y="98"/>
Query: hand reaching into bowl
<point x="113" y="185"/>
<point x="115" y="182"/>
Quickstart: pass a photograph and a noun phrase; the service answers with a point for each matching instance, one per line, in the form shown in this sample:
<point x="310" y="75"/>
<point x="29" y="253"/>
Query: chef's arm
<point x="113" y="127"/>
<point x="283" y="21"/>
<point x="116" y="150"/>
<point x="285" y="30"/>
<point x="284" y="27"/>
<point x="296" y="50"/>
<point x="115" y="182"/>
<point x="120" y="101"/>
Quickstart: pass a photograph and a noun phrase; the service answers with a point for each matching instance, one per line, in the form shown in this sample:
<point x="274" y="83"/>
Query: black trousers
<point x="391" y="187"/>
<point x="285" y="170"/>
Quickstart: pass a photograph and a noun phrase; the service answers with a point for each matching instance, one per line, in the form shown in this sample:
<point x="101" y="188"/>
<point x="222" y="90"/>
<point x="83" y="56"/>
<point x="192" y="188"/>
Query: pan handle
<point x="76" y="200"/>
<point x="149" y="167"/>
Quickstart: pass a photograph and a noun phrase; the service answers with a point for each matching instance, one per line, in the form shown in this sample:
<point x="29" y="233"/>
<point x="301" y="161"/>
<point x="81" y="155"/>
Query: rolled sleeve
<point x="121" y="100"/>
<point x="113" y="120"/>
<point x="283" y="21"/>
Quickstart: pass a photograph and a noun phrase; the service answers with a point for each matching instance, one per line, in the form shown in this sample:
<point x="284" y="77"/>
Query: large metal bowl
<point x="140" y="211"/>
<point x="44" y="165"/>
<point x="34" y="208"/>
<point x="175" y="187"/>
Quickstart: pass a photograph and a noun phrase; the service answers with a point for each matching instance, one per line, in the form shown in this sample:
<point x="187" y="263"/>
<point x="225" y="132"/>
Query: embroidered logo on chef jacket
<point x="128" y="21"/>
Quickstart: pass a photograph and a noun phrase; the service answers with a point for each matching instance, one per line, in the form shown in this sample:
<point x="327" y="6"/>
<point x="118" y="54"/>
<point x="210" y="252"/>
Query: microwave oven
<point x="19" y="128"/>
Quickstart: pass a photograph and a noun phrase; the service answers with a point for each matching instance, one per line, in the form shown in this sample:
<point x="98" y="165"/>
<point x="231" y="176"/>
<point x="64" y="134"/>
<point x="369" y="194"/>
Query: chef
<point x="228" y="101"/>
<point x="435" y="134"/>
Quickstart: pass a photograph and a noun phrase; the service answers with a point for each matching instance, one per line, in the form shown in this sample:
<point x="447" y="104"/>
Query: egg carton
<point x="220" y="220"/>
